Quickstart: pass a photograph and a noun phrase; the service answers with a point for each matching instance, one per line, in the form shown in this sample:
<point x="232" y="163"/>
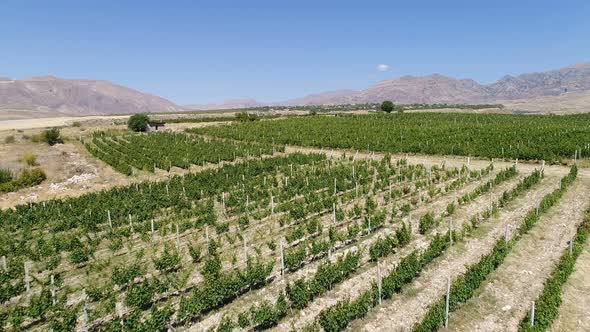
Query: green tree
<point x="387" y="106"/>
<point x="52" y="136"/>
<point x="138" y="122"/>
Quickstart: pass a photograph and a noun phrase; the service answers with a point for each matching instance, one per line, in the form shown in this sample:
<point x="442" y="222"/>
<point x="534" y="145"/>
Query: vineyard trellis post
<point x="379" y="285"/>
<point x="109" y="217"/>
<point x="152" y="224"/>
<point x="571" y="247"/>
<point x="447" y="302"/>
<point x="245" y="250"/>
<point x="532" y="322"/>
<point x="334" y="213"/>
<point x="53" y="300"/>
<point x="4" y="266"/>
<point x="130" y="223"/>
<point x="177" y="237"/>
<point x="84" y="309"/>
<point x="451" y="230"/>
<point x="27" y="277"/>
<point x="207" y="234"/>
<point x="282" y="258"/>
<point x="272" y="204"/>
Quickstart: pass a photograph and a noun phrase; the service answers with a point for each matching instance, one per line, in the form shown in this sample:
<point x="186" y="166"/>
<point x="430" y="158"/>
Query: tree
<point x="52" y="136"/>
<point x="138" y="122"/>
<point x="387" y="106"/>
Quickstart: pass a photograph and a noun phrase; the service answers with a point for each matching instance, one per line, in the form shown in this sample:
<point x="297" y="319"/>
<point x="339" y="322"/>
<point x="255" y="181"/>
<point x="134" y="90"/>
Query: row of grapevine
<point x="539" y="137"/>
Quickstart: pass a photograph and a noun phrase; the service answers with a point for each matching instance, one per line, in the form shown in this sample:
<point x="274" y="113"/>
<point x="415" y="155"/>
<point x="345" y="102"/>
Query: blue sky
<point x="208" y="51"/>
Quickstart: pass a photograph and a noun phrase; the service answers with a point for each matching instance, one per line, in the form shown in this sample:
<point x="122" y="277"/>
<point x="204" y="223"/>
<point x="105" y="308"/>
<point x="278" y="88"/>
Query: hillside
<point x="52" y="96"/>
<point x="438" y="88"/>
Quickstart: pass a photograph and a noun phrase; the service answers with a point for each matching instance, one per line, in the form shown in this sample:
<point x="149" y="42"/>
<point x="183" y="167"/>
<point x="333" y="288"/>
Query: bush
<point x="138" y="122"/>
<point x="30" y="159"/>
<point x="9" y="139"/>
<point x="5" y="175"/>
<point x="76" y="124"/>
<point x="51" y="136"/>
<point x="27" y="178"/>
<point x="246" y="117"/>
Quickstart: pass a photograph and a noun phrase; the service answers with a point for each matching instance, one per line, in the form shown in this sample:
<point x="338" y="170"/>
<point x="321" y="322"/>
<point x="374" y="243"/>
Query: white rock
<point x="506" y="308"/>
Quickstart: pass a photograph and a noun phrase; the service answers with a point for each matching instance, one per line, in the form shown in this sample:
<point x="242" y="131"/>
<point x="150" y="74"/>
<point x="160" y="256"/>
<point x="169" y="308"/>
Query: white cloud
<point x="382" y="67"/>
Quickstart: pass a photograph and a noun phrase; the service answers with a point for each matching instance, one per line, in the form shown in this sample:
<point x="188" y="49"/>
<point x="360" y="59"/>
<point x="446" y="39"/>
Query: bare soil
<point x="507" y="294"/>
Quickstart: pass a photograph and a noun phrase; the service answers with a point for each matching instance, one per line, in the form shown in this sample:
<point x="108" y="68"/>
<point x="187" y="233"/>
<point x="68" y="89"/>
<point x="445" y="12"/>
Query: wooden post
<point x="84" y="309"/>
<point x="152" y="224"/>
<point x="110" y="220"/>
<point x="272" y="204"/>
<point x="130" y="223"/>
<point x="167" y="190"/>
<point x="177" y="238"/>
<point x="447" y="302"/>
<point x="27" y="279"/>
<point x="533" y="314"/>
<point x="53" y="300"/>
<point x="571" y="247"/>
<point x="282" y="258"/>
<point x="379" y="280"/>
<point x="245" y="251"/>
<point x="334" y="186"/>
<point x="451" y="230"/>
<point x="4" y="266"/>
<point x="334" y="213"/>
<point x="207" y="233"/>
<point x="121" y="322"/>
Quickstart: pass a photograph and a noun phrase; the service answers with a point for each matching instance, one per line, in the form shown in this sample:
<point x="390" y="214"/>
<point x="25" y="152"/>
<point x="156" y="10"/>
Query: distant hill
<point x="52" y="96"/>
<point x="228" y="104"/>
<point x="438" y="88"/>
<point x="48" y="96"/>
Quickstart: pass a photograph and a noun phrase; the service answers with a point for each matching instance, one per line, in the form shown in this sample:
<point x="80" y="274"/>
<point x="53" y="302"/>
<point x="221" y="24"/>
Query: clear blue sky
<point x="208" y="51"/>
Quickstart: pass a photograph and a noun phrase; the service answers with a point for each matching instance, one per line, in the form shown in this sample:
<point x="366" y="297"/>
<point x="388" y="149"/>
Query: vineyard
<point x="271" y="239"/>
<point x="543" y="137"/>
<point x="127" y="153"/>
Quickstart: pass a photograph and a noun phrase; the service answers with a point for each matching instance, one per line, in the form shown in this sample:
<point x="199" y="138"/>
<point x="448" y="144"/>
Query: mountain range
<point x="51" y="96"/>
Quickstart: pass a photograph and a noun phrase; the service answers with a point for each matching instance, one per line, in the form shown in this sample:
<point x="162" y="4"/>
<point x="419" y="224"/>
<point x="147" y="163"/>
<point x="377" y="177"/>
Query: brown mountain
<point x="437" y="88"/>
<point x="51" y="96"/>
<point x="227" y="104"/>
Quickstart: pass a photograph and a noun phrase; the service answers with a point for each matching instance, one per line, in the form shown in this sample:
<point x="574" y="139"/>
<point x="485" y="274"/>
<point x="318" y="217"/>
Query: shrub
<point x="51" y="136"/>
<point x="27" y="178"/>
<point x="9" y="139"/>
<point x="5" y="175"/>
<point x="30" y="159"/>
<point x="246" y="117"/>
<point x="76" y="124"/>
<point x="138" y="122"/>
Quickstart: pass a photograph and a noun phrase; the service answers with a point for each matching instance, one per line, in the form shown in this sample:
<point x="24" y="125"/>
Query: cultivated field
<point x="313" y="223"/>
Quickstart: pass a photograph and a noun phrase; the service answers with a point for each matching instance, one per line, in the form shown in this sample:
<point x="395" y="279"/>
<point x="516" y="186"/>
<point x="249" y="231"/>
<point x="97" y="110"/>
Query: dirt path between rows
<point x="361" y="281"/>
<point x="574" y="312"/>
<point x="402" y="311"/>
<point x="508" y="292"/>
